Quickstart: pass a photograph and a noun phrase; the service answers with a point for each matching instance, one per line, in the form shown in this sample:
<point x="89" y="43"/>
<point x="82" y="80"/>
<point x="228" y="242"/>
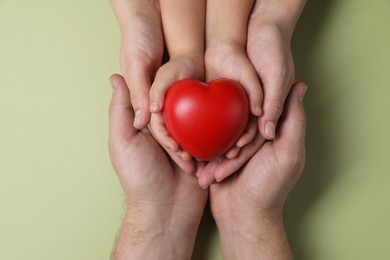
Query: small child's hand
<point x="176" y="69"/>
<point x="229" y="61"/>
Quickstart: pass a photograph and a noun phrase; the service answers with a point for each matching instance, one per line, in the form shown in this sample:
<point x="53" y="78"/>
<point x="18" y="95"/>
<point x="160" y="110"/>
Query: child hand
<point x="229" y="61"/>
<point x="176" y="69"/>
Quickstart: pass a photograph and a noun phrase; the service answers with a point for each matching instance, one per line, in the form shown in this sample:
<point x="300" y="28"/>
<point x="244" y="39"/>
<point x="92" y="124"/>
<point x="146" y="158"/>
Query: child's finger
<point x="229" y="166"/>
<point x="165" y="77"/>
<point x="233" y="152"/>
<point x="249" y="134"/>
<point x="161" y="134"/>
<point x="182" y="159"/>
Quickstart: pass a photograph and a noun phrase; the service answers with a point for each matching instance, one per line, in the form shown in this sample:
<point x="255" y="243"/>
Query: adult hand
<point x="142" y="50"/>
<point x="219" y="169"/>
<point x="164" y="202"/>
<point x="231" y="62"/>
<point x="270" y="29"/>
<point x="248" y="206"/>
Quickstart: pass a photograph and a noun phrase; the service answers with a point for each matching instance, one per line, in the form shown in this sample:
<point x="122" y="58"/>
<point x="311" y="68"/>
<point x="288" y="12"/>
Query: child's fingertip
<point x="155" y="106"/>
<point x="218" y="178"/>
<point x="257" y="110"/>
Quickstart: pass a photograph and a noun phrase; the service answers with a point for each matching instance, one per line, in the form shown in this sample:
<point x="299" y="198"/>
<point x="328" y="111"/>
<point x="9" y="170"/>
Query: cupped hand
<point x="269" y="51"/>
<point x="260" y="188"/>
<point x="177" y="68"/>
<point x="141" y="53"/>
<point x="148" y="177"/>
<point x="225" y="60"/>
<point x="222" y="167"/>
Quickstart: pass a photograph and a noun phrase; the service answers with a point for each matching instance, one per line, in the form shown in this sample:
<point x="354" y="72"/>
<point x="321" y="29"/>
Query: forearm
<point x="183" y="25"/>
<point x="284" y="13"/>
<point x="126" y="11"/>
<point x="227" y="22"/>
<point x="260" y="238"/>
<point x="151" y="234"/>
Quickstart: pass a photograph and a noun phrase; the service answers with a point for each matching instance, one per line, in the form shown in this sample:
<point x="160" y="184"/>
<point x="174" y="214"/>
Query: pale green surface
<point x="59" y="198"/>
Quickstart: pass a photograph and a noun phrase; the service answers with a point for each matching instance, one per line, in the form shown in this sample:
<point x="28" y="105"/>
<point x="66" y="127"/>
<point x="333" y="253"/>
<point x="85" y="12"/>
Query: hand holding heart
<point x="206" y="120"/>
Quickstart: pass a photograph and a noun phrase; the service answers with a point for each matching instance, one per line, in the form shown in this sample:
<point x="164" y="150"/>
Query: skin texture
<point x="161" y="183"/>
<point x="160" y="222"/>
<point x="183" y="25"/>
<point x="270" y="27"/>
<point x="270" y="30"/>
<point x="226" y="40"/>
<point x="225" y="55"/>
<point x="248" y="206"/>
<point x="142" y="48"/>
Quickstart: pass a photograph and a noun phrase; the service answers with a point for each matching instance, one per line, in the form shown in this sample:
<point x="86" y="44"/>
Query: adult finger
<point x="121" y="113"/>
<point x="138" y="79"/>
<point x="221" y="168"/>
<point x="275" y="93"/>
<point x="293" y="121"/>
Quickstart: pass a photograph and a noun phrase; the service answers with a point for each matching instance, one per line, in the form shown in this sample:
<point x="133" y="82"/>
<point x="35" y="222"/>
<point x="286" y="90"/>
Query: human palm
<point x="263" y="184"/>
<point x="147" y="175"/>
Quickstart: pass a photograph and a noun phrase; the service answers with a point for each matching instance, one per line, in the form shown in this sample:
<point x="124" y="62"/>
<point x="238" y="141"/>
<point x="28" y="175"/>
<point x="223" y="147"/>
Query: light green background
<point x="59" y="197"/>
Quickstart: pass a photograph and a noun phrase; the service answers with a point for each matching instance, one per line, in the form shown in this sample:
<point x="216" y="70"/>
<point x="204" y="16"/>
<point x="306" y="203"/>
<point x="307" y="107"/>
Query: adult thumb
<point x="292" y="127"/>
<point x="121" y="114"/>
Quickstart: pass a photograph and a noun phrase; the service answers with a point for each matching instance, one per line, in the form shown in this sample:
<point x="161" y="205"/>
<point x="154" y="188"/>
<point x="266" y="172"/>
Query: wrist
<point x="217" y="52"/>
<point x="191" y="62"/>
<point x="248" y="226"/>
<point x="260" y="238"/>
<point x="150" y="232"/>
<point x="127" y="12"/>
<point x="224" y="45"/>
<point x="167" y="220"/>
<point x="282" y="14"/>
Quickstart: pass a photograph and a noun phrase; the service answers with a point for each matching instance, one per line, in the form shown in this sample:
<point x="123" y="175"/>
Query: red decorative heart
<point x="206" y="119"/>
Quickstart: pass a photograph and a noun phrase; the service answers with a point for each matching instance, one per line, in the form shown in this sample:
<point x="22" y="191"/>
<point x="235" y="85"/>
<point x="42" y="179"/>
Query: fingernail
<point x="302" y="93"/>
<point x="137" y="118"/>
<point x="155" y="107"/>
<point x="270" y="129"/>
